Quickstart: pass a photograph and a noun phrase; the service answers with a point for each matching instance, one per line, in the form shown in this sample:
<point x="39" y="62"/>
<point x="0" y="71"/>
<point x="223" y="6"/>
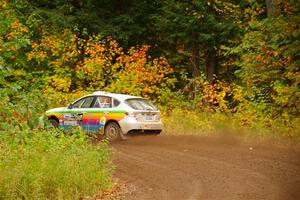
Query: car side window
<point x="103" y="102"/>
<point x="116" y="103"/>
<point x="87" y="103"/>
<point x="78" y="103"/>
<point x="83" y="103"/>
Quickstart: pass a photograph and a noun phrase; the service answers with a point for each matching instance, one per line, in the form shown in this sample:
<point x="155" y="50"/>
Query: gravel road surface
<point x="205" y="168"/>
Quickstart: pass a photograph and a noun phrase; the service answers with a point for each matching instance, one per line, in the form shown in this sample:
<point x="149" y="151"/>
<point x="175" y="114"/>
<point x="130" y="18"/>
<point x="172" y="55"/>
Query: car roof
<point x="121" y="97"/>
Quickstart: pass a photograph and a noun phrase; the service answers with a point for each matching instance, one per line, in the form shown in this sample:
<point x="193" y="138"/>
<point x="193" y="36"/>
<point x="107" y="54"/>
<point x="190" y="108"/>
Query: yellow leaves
<point x="181" y="50"/>
<point x="56" y="49"/>
<point x="216" y="96"/>
<point x="3" y="4"/>
<point x="17" y="30"/>
<point x="137" y="73"/>
<point x="40" y="56"/>
<point x="275" y="53"/>
<point x="93" y="63"/>
<point x="223" y="7"/>
<point x="218" y="9"/>
<point x="112" y="44"/>
<point x="10" y="36"/>
<point x="16" y="25"/>
<point x="95" y="50"/>
<point x="60" y="83"/>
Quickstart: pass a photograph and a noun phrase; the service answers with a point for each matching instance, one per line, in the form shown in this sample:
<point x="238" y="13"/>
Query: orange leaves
<point x="16" y="25"/>
<point x="10" y="36"/>
<point x="147" y="70"/>
<point x="286" y="7"/>
<point x="139" y="74"/>
<point x="265" y="57"/>
<point x="219" y="96"/>
<point x="92" y="63"/>
<point x="14" y="36"/>
<point x="259" y="58"/>
<point x="265" y="49"/>
<point x="135" y="72"/>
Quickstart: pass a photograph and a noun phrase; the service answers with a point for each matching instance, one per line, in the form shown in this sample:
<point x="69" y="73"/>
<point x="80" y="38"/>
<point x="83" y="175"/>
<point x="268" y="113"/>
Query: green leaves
<point x="267" y="62"/>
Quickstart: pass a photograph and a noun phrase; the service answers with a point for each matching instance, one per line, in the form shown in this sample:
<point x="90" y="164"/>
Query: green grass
<point x="47" y="165"/>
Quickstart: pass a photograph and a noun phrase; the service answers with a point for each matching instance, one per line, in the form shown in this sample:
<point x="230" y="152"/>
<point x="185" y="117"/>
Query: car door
<point x="99" y="113"/>
<point x="77" y="113"/>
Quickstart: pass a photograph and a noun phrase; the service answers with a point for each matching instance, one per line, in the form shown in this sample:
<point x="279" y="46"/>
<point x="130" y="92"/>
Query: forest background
<point x="218" y="63"/>
<point x="210" y="65"/>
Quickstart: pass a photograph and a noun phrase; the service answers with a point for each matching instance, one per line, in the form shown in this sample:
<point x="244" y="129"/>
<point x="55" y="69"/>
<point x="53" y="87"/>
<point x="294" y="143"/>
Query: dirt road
<point x="188" y="167"/>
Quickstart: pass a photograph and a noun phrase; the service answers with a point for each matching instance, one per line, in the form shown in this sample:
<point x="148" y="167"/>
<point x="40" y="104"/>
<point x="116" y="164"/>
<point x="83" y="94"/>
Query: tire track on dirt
<point x="222" y="171"/>
<point x="177" y="168"/>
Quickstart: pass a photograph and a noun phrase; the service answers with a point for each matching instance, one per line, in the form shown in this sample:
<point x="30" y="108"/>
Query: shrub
<point x="246" y="123"/>
<point x="47" y="165"/>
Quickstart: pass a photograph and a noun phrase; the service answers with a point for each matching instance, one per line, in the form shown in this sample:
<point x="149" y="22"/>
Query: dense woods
<point x="216" y="56"/>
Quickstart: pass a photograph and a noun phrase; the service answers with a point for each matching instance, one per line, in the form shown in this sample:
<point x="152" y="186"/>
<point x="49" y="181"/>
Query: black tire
<point x="54" y="123"/>
<point x="112" y="131"/>
<point x="157" y="132"/>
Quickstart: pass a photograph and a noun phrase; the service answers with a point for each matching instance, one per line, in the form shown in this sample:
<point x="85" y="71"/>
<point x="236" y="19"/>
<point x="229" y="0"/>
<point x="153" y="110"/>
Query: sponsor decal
<point x="102" y="121"/>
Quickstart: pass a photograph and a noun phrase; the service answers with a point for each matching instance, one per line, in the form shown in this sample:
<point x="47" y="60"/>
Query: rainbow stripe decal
<point x="90" y="119"/>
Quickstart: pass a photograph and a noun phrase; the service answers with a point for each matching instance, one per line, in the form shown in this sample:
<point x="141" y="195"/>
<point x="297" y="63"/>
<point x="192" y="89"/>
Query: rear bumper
<point x="129" y="124"/>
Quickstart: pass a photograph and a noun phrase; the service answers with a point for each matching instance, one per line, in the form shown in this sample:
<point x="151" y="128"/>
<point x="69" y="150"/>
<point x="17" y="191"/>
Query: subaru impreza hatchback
<point x="115" y="114"/>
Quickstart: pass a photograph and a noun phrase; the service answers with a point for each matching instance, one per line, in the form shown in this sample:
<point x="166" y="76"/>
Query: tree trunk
<point x="210" y="65"/>
<point x="195" y="56"/>
<point x="270" y="8"/>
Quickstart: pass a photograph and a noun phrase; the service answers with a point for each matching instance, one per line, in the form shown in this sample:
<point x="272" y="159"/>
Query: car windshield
<point x="140" y="104"/>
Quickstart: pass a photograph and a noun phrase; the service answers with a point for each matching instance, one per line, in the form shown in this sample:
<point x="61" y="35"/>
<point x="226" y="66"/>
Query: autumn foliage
<point x="257" y="77"/>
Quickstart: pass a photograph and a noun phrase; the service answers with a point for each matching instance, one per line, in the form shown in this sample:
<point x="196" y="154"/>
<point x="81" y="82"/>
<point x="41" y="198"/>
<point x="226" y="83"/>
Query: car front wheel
<point x="54" y="123"/>
<point x="112" y="131"/>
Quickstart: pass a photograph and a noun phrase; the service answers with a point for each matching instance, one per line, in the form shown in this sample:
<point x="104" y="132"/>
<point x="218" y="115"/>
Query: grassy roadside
<point x="182" y="122"/>
<point x="49" y="165"/>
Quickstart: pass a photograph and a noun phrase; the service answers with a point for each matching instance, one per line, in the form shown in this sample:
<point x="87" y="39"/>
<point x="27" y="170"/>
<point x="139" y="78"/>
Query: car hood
<point x="56" y="110"/>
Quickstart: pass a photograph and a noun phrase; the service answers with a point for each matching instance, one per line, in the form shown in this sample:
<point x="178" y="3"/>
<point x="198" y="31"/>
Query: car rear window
<point x="140" y="104"/>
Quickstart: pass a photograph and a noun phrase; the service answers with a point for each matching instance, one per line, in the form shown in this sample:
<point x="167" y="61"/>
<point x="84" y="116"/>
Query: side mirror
<point x="70" y="105"/>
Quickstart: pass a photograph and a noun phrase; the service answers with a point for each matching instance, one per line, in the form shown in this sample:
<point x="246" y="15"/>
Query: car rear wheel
<point x="112" y="131"/>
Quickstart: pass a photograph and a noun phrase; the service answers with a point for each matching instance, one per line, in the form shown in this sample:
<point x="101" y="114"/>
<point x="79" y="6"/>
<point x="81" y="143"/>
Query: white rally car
<point x="116" y="114"/>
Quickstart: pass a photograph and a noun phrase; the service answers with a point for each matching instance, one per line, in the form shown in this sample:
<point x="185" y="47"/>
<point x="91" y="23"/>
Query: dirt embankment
<point x="190" y="167"/>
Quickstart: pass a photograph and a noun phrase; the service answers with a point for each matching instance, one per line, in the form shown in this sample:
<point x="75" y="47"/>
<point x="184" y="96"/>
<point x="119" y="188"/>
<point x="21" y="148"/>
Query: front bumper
<point x="129" y="123"/>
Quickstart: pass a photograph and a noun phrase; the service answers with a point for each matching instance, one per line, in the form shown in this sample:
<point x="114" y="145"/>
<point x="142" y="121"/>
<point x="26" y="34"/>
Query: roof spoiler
<point x="101" y="92"/>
